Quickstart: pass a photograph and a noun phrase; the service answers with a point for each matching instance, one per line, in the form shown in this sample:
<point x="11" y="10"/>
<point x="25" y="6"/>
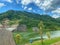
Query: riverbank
<point x="47" y="42"/>
<point x="26" y="36"/>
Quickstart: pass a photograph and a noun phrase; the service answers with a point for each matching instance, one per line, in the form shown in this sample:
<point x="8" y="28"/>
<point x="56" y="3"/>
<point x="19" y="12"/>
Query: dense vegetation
<point x="58" y="18"/>
<point x="25" y="38"/>
<point x="30" y="19"/>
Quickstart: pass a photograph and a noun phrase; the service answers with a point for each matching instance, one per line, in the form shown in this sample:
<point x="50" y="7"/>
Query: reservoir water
<point x="53" y="34"/>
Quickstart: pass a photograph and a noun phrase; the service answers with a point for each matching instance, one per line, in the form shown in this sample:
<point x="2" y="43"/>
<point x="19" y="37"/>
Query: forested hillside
<point x="30" y="19"/>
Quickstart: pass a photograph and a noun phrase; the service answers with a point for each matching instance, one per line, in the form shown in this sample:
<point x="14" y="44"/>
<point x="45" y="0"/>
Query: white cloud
<point x="36" y="1"/>
<point x="46" y="4"/>
<point x="56" y="11"/>
<point x="10" y="1"/>
<point x="18" y="1"/>
<point x="29" y="8"/>
<point x="25" y="2"/>
<point x="43" y="4"/>
<point x="55" y="16"/>
<point x="2" y="4"/>
<point x="25" y="7"/>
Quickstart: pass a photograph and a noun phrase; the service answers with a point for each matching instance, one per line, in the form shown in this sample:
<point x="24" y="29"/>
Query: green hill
<point x="30" y="19"/>
<point x="58" y="19"/>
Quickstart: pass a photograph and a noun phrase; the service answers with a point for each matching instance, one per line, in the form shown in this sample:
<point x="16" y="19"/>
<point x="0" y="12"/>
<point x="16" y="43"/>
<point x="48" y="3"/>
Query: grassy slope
<point x="47" y="42"/>
<point x="27" y="35"/>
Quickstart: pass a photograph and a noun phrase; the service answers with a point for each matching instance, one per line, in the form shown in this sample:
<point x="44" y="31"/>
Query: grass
<point x="25" y="36"/>
<point x="47" y="42"/>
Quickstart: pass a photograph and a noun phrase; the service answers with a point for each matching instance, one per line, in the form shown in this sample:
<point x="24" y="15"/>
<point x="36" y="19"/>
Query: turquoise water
<point x="33" y="35"/>
<point x="53" y="34"/>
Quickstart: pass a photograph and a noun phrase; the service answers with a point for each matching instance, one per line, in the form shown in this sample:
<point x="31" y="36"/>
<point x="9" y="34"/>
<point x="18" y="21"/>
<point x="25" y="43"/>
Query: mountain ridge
<point x="30" y="19"/>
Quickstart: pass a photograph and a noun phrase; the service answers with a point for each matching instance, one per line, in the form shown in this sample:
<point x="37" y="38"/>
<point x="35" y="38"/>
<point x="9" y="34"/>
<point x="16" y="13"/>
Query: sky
<point x="49" y="7"/>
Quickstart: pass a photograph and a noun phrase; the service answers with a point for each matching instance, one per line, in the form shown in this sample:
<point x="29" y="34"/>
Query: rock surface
<point x="6" y="38"/>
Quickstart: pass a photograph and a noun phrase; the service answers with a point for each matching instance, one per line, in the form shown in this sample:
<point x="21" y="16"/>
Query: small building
<point x="22" y="27"/>
<point x="35" y="29"/>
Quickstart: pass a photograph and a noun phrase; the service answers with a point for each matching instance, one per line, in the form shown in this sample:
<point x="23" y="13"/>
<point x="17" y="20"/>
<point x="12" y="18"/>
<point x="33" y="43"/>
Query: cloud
<point x="18" y="1"/>
<point x="46" y="5"/>
<point x="43" y="4"/>
<point x="55" y="3"/>
<point x="55" y="16"/>
<point x="36" y="1"/>
<point x="10" y="1"/>
<point x="29" y="8"/>
<point x="56" y="13"/>
<point x="25" y="7"/>
<point x="25" y="2"/>
<point x="2" y="4"/>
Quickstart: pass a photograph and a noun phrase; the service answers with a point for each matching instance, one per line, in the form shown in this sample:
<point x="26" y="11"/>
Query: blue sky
<point x="50" y="7"/>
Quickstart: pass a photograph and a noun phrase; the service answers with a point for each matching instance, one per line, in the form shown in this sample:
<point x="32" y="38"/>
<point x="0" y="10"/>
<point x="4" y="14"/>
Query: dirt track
<point x="6" y="38"/>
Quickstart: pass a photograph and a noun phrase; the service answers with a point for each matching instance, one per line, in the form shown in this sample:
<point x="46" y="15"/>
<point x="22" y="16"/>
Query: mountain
<point x="58" y="18"/>
<point x="30" y="19"/>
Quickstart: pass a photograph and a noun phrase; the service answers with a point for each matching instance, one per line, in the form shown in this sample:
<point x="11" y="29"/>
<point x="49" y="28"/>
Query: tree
<point x="48" y="35"/>
<point x="18" y="38"/>
<point x="41" y="26"/>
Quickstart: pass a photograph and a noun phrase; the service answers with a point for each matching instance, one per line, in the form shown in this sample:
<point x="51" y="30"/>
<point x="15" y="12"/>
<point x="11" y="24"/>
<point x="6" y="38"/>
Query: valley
<point x="27" y="28"/>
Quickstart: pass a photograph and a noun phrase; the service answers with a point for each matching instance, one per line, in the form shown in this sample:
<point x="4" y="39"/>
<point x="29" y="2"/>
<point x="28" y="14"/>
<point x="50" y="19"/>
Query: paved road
<point x="6" y="38"/>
